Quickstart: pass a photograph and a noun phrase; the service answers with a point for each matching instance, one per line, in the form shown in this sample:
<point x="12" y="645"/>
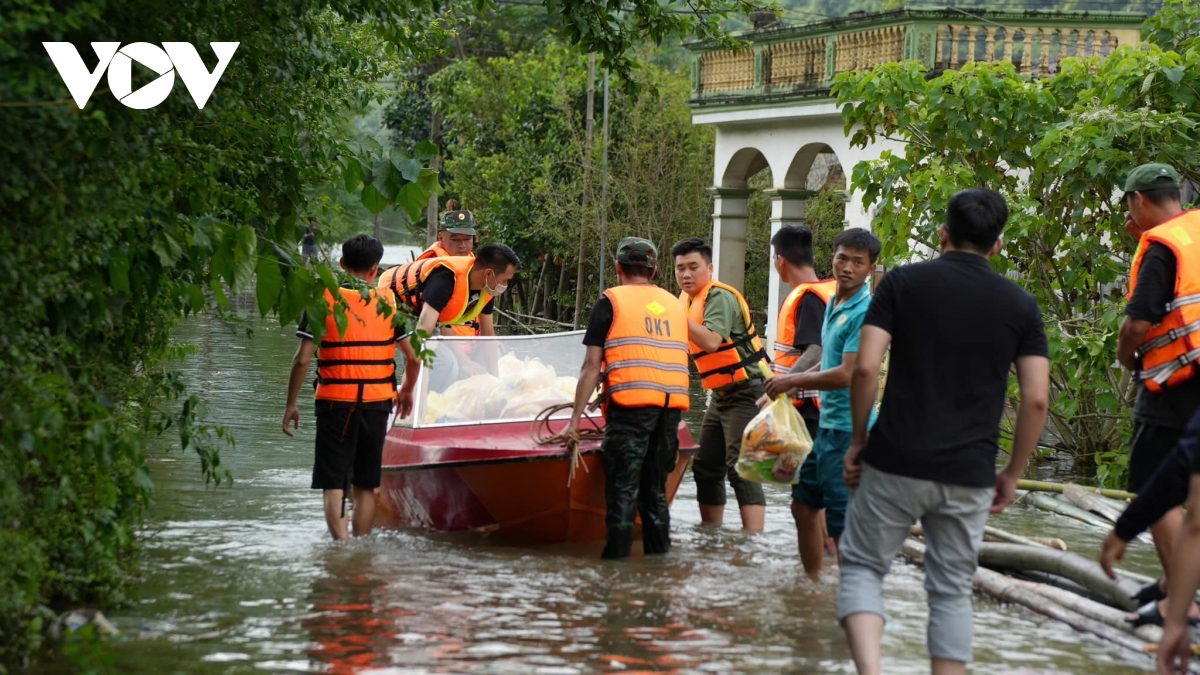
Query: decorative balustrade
<point x="801" y="61"/>
<point x="1035" y="51"/>
<point x="726" y="70"/>
<point x="869" y="48"/>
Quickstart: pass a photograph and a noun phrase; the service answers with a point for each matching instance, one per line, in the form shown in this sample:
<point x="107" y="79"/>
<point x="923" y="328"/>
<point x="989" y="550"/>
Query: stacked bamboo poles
<point x="1080" y="613"/>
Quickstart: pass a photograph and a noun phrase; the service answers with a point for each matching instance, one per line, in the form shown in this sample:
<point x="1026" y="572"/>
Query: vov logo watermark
<point x="178" y="57"/>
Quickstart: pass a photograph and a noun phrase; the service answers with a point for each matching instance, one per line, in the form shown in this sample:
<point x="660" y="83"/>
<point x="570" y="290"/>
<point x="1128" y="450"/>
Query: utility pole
<point x="604" y="187"/>
<point x="587" y="187"/>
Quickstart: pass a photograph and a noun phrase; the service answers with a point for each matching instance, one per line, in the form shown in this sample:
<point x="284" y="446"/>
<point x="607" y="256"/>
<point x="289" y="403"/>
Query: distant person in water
<point x="308" y="245"/>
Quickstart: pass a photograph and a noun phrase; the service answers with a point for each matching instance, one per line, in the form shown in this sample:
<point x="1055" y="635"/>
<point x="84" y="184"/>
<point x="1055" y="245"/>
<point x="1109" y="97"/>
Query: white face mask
<point x="498" y="290"/>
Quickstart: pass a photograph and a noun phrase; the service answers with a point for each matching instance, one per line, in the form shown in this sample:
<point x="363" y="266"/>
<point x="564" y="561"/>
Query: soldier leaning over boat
<point x="450" y="290"/>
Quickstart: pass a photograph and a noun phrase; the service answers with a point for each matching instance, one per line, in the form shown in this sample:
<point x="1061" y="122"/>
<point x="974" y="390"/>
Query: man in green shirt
<point x="732" y="365"/>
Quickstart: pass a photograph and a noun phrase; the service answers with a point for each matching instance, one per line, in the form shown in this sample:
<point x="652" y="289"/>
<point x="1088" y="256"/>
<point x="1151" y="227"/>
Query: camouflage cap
<point x="637" y="252"/>
<point x="1152" y="177"/>
<point x="459" y="222"/>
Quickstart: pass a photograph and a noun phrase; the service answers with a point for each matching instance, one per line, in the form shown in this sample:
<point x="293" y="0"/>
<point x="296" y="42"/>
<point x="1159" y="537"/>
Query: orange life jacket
<point x="407" y="281"/>
<point x="361" y="365"/>
<point x="785" y="332"/>
<point x="646" y="351"/>
<point x="725" y="366"/>
<point x="470" y="328"/>
<point x="1172" y="347"/>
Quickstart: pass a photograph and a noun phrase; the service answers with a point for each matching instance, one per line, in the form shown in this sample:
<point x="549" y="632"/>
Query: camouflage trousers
<point x="640" y="448"/>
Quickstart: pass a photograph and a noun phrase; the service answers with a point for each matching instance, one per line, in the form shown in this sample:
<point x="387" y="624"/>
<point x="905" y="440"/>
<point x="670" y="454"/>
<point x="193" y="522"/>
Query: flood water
<point x="245" y="579"/>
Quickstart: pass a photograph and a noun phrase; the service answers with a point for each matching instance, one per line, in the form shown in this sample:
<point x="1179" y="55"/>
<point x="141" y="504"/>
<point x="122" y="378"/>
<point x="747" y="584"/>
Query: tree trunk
<point x="1056" y="544"/>
<point x="1092" y="502"/>
<point x="563" y="280"/>
<point x="587" y="186"/>
<point x="1046" y="486"/>
<point x="1092" y="609"/>
<point x="1082" y="571"/>
<point x="1006" y="589"/>
<point x="1067" y="509"/>
<point x="548" y="310"/>
<point x="431" y="210"/>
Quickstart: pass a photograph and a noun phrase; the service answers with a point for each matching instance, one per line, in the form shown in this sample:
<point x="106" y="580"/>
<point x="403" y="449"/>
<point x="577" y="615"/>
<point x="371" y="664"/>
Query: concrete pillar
<point x="787" y="208"/>
<point x="730" y="209"/>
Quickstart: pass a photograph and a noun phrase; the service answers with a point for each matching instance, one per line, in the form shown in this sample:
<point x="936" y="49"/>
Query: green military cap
<point x="637" y="252"/>
<point x="459" y="222"/>
<point x="1152" y="177"/>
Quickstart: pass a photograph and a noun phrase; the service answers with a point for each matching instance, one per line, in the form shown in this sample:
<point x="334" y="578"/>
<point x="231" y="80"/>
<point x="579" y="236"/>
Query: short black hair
<point x="361" y="252"/>
<point x="496" y="257"/>
<point x="859" y="239"/>
<point x="1160" y="197"/>
<point x="794" y="243"/>
<point x="692" y="244"/>
<point x="975" y="218"/>
<point x="637" y="271"/>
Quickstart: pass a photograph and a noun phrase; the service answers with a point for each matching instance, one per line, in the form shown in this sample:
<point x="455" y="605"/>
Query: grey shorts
<point x="883" y="508"/>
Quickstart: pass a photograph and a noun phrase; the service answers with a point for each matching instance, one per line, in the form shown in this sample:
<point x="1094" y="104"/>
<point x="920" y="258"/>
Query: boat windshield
<point x="510" y="378"/>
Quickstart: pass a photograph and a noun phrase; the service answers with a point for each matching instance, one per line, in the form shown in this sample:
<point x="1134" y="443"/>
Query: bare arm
<point x="1132" y="335"/>
<point x="1181" y="587"/>
<point x="864" y="380"/>
<point x="589" y="377"/>
<point x="486" y="325"/>
<point x="873" y="342"/>
<point x="810" y="358"/>
<point x="706" y="339"/>
<point x="300" y="364"/>
<point x="824" y="380"/>
<point x="1033" y="377"/>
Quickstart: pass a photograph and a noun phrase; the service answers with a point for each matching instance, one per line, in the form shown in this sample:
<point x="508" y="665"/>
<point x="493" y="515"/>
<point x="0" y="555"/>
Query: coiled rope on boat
<point x="539" y="431"/>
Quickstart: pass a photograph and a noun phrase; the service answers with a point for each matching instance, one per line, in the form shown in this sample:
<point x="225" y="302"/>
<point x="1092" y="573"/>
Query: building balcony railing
<point x="802" y="61"/>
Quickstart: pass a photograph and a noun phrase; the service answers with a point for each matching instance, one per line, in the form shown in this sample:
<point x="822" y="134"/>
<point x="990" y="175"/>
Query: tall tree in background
<point x="1056" y="148"/>
<point x="121" y="222"/>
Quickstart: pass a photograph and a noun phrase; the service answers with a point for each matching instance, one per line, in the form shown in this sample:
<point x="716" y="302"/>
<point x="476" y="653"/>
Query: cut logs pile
<point x="1057" y="583"/>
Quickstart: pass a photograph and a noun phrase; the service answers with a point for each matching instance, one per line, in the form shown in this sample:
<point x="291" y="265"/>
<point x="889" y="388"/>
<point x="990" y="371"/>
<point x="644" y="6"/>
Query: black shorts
<point x="349" y="444"/>
<point x="1150" y="445"/>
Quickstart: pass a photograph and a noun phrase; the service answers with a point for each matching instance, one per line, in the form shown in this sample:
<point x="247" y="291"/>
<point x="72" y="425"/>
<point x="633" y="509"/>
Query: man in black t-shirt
<point x="955" y="328"/>
<point x="1152" y="198"/>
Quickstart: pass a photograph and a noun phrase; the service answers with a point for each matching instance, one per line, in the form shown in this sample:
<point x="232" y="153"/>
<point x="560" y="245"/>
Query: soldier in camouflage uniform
<point x="638" y="333"/>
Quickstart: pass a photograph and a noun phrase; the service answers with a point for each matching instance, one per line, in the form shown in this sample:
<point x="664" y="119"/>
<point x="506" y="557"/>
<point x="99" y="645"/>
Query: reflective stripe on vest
<point x="1172" y="346"/>
<point x="724" y="366"/>
<point x="469" y="328"/>
<point x="359" y="366"/>
<point x="407" y="281"/>
<point x="645" y="351"/>
<point x="785" y="332"/>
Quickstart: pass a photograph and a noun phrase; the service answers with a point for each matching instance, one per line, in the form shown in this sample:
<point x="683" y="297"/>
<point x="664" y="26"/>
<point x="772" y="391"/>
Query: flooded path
<point x="245" y="579"/>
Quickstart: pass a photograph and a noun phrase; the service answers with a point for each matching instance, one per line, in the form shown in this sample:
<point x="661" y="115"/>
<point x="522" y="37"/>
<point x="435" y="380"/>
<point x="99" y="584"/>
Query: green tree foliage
<point x="121" y="222"/>
<point x="1056" y="148"/>
<point x="516" y="139"/>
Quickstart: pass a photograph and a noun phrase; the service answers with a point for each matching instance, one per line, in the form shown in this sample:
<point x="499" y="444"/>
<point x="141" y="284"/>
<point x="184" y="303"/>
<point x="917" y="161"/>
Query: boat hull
<point x="494" y="479"/>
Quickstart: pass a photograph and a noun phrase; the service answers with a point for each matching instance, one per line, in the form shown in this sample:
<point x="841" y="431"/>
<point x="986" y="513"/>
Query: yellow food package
<point x="774" y="444"/>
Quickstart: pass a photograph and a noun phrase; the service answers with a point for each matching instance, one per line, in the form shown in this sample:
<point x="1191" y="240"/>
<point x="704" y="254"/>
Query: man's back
<point x="956" y="327"/>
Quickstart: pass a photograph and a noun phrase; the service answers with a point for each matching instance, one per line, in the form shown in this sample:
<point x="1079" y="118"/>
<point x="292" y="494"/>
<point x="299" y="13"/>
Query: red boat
<point x="466" y="460"/>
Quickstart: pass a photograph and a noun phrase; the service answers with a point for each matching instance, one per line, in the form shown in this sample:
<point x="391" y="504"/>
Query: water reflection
<point x="245" y="579"/>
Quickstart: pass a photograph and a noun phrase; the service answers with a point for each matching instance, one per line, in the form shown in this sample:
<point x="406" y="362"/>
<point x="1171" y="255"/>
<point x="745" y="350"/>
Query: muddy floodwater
<point x="246" y="580"/>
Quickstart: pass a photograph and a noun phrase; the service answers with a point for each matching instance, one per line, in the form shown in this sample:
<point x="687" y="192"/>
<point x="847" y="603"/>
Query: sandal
<point x="1151" y="592"/>
<point x="1149" y="614"/>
